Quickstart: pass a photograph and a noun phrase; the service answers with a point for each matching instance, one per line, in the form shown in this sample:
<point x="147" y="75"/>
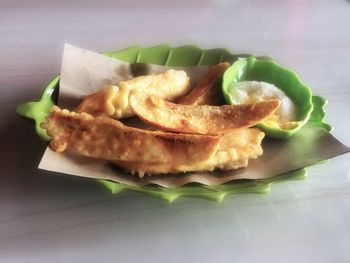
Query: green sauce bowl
<point x="252" y="69"/>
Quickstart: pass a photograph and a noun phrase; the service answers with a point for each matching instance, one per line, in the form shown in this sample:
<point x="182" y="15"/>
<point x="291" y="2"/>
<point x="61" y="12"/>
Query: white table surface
<point x="46" y="217"/>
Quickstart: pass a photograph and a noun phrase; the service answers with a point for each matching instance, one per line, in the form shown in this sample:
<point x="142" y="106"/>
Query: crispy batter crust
<point x="235" y="150"/>
<point x="206" y="91"/>
<point x="201" y="119"/>
<point x="114" y="101"/>
<point x="108" y="139"/>
<point x="99" y="103"/>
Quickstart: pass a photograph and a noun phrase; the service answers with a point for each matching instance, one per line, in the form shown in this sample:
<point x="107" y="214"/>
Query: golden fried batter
<point x="207" y="91"/>
<point x="114" y="101"/>
<point x="201" y="119"/>
<point x="108" y="139"/>
<point x="235" y="150"/>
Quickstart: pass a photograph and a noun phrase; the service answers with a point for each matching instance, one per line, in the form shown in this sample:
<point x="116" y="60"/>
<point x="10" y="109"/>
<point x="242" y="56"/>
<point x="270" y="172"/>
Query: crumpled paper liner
<point x="84" y="72"/>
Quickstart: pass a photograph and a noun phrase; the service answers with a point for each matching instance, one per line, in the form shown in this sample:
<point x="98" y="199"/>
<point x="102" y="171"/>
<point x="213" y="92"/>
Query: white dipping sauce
<point x="253" y="91"/>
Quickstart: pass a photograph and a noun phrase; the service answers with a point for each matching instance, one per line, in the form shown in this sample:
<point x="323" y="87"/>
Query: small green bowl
<point x="249" y="69"/>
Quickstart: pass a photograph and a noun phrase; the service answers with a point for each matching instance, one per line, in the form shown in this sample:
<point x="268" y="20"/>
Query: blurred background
<point x="57" y="218"/>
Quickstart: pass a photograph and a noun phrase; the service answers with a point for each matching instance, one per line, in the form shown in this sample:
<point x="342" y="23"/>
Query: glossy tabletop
<point x="48" y="217"/>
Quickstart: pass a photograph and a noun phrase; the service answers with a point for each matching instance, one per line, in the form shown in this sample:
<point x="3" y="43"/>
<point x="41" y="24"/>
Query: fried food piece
<point x="114" y="101"/>
<point x="201" y="119"/>
<point x="207" y="91"/>
<point x="235" y="150"/>
<point x="108" y="139"/>
<point x="100" y="103"/>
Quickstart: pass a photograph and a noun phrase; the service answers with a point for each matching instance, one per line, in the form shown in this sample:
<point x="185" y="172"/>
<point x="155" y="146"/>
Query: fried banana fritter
<point x="234" y="151"/>
<point x="114" y="100"/>
<point x="108" y="139"/>
<point x="207" y="91"/>
<point x="201" y="119"/>
<point x="150" y="151"/>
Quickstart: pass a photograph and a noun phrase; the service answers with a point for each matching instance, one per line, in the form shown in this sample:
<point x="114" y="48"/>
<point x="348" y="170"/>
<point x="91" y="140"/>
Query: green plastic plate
<point x="179" y="56"/>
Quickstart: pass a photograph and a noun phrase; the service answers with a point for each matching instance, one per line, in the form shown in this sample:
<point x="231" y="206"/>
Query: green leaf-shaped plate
<point x="179" y="56"/>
